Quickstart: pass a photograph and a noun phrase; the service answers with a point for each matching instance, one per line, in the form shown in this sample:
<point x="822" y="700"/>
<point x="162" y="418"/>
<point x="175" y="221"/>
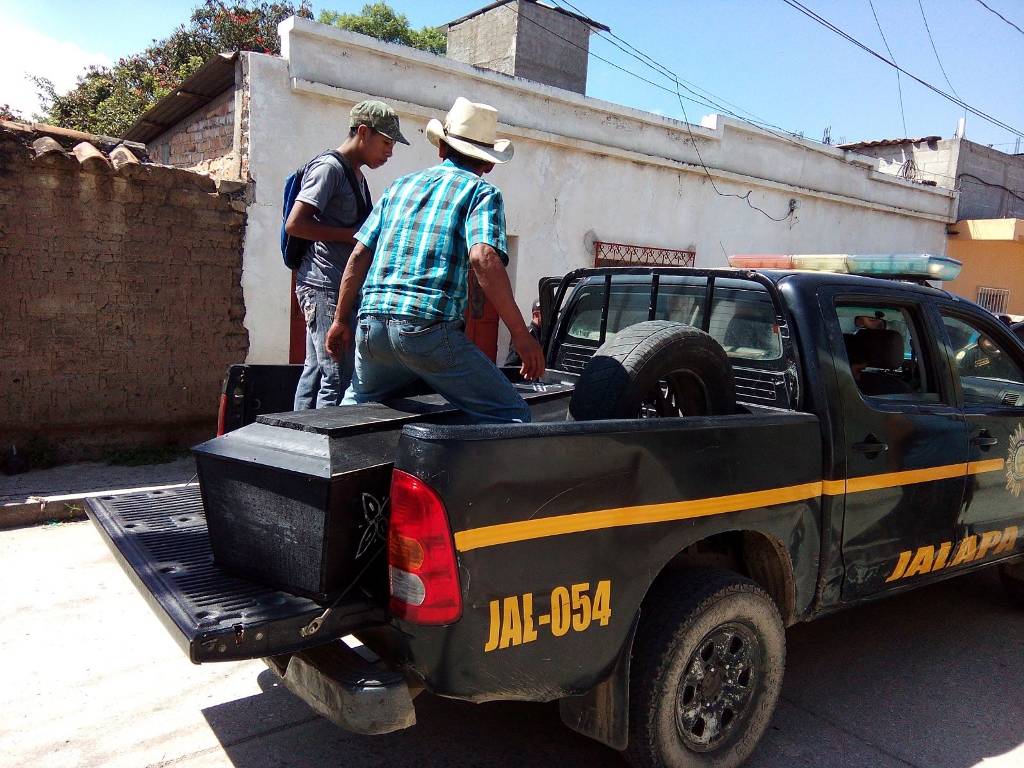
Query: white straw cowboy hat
<point x="470" y="129"/>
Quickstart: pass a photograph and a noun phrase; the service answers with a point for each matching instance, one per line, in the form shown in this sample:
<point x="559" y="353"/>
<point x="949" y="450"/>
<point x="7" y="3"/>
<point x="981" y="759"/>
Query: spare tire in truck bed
<point x="655" y="369"/>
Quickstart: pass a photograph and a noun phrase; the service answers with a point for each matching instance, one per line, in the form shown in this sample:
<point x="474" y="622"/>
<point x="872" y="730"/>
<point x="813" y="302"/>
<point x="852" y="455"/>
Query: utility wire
<point x="959" y="102"/>
<point x="997" y="13"/>
<point x="981" y="181"/>
<point x="899" y="86"/>
<point x="686" y="121"/>
<point x="936" y="50"/>
<point x="703" y="101"/>
<point x="648" y="61"/>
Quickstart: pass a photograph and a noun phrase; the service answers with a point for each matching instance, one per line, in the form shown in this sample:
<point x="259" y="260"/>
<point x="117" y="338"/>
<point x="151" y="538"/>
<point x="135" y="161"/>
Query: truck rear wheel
<point x="706" y="672"/>
<point x="655" y="369"/>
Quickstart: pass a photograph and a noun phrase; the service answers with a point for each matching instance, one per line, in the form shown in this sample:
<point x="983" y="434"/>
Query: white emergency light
<point x="920" y="265"/>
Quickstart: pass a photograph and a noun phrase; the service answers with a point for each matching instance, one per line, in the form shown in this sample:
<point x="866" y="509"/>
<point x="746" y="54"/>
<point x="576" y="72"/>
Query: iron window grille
<point x="625" y="255"/>
<point x="995" y="300"/>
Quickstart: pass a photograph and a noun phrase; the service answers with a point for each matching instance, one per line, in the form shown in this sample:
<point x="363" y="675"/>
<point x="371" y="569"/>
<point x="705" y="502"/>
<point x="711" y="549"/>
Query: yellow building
<point x="992" y="252"/>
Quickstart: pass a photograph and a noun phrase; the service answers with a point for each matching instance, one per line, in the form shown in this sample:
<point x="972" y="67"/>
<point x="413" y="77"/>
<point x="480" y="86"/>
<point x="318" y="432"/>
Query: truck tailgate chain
<point x="315" y="624"/>
<point x="376" y="530"/>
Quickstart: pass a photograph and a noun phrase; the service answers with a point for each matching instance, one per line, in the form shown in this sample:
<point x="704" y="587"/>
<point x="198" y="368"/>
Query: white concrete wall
<point x="581" y="165"/>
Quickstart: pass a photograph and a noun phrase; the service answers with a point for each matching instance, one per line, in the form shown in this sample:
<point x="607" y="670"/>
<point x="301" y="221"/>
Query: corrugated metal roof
<point x="195" y="92"/>
<point x="888" y="142"/>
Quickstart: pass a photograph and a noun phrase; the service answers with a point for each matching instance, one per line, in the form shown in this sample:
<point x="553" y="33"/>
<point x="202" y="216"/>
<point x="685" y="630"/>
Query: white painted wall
<point x="580" y="165"/>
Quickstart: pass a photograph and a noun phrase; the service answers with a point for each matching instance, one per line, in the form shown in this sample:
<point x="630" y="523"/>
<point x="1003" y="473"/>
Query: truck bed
<point x="160" y="540"/>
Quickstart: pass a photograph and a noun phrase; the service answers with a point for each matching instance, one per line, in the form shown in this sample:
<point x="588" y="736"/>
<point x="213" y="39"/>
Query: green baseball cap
<point x="379" y="116"/>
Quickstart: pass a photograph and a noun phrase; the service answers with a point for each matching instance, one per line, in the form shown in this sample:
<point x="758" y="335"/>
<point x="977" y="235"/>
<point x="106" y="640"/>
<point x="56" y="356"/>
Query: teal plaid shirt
<point x="421" y="232"/>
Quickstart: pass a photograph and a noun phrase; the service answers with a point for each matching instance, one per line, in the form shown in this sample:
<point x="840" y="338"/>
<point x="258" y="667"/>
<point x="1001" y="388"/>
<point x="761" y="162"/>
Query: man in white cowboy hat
<point x="412" y="260"/>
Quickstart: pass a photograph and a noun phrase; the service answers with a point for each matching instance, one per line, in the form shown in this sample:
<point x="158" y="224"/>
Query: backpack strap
<point x="363" y="201"/>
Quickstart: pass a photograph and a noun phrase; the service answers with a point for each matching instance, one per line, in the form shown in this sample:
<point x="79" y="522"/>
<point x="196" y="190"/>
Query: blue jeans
<point x="392" y="351"/>
<point x="323" y="381"/>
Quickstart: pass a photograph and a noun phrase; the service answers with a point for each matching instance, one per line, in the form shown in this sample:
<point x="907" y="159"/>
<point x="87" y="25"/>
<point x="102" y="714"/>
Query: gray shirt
<point x="326" y="188"/>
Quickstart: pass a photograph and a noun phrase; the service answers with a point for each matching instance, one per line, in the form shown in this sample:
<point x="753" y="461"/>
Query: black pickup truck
<point x="715" y="455"/>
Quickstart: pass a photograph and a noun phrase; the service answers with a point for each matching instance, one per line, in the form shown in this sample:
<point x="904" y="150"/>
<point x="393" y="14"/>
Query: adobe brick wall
<point x="202" y="142"/>
<point x="122" y="304"/>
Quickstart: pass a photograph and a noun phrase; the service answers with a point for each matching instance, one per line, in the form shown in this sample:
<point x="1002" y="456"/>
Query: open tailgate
<point x="161" y="541"/>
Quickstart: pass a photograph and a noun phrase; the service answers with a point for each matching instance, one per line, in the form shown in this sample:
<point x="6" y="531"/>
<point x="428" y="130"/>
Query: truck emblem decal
<point x="1015" y="463"/>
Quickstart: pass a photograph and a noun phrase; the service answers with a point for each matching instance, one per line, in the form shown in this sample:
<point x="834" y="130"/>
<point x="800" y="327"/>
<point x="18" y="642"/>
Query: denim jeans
<point x="392" y="351"/>
<point x="323" y="381"/>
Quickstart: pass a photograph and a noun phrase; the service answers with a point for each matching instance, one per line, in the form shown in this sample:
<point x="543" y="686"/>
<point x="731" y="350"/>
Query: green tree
<point x="380" y="20"/>
<point x="108" y="100"/>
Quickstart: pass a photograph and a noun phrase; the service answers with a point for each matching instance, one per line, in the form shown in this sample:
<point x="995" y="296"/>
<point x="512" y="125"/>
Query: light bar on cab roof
<point x="923" y="265"/>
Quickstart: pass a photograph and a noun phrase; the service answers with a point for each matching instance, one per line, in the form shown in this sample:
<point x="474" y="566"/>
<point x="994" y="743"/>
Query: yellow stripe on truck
<point x="526" y="530"/>
<point x="992" y="465"/>
<point x="907" y="477"/>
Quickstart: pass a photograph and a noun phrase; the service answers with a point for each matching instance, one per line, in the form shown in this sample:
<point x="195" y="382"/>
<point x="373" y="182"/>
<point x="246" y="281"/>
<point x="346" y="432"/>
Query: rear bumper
<point x="351" y="692"/>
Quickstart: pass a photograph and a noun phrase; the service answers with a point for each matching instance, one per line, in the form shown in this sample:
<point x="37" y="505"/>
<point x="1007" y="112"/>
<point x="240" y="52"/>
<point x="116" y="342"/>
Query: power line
<point x="981" y="181"/>
<point x="997" y="13"/>
<point x="899" y="86"/>
<point x="648" y="61"/>
<point x="936" y="50"/>
<point x="959" y="102"/>
<point x="686" y="121"/>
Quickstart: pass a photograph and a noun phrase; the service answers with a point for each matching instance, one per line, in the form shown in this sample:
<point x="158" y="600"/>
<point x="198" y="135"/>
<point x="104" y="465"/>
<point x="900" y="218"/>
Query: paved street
<point x="933" y="678"/>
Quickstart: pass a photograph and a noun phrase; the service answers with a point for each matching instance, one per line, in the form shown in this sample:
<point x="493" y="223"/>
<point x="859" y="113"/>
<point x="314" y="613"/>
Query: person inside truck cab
<point x="513" y="359"/>
<point x="412" y="262"/>
<point x="880" y="350"/>
<point x="984" y="358"/>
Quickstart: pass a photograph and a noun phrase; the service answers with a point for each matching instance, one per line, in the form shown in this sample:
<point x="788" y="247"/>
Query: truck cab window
<point x="884" y="352"/>
<point x="987" y="373"/>
<point x="743" y="322"/>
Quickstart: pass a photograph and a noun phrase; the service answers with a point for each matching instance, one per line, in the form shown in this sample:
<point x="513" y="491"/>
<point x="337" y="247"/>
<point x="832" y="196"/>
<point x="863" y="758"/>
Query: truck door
<point x="988" y="368"/>
<point x="904" y="441"/>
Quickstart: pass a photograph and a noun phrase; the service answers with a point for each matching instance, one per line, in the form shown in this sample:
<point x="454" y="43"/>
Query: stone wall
<point x="203" y="142"/>
<point x="122" y="303"/>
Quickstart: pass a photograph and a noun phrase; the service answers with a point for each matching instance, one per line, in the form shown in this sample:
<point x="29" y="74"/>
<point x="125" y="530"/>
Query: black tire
<point x="706" y="673"/>
<point x="655" y="369"/>
<point x="1012" y="577"/>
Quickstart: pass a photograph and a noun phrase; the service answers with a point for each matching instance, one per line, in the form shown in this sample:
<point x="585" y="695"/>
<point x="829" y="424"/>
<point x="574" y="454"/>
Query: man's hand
<point x="532" y="355"/>
<point x="339" y="339"/>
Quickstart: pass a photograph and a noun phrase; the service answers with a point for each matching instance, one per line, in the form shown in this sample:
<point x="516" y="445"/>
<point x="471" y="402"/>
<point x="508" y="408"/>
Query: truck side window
<point x="987" y="373"/>
<point x="743" y="322"/>
<point x="883" y="348"/>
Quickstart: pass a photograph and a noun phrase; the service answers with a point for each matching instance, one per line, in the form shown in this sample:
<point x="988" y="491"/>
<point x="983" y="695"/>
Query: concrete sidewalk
<point x="59" y="493"/>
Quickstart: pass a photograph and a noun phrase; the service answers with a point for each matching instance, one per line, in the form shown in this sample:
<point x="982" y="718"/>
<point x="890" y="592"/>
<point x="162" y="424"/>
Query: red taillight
<point x="421" y="555"/>
<point x="222" y="413"/>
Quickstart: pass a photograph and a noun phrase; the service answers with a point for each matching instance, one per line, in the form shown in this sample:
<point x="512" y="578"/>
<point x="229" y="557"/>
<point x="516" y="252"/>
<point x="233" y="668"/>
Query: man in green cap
<point x="332" y="204"/>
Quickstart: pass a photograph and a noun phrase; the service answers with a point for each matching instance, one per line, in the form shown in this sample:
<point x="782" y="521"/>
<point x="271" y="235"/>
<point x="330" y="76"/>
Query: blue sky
<point x="761" y="56"/>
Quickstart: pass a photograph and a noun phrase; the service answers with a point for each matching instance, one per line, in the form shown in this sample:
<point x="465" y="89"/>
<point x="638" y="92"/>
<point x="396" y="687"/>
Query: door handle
<point x="870" y="445"/>
<point x="984" y="440"/>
